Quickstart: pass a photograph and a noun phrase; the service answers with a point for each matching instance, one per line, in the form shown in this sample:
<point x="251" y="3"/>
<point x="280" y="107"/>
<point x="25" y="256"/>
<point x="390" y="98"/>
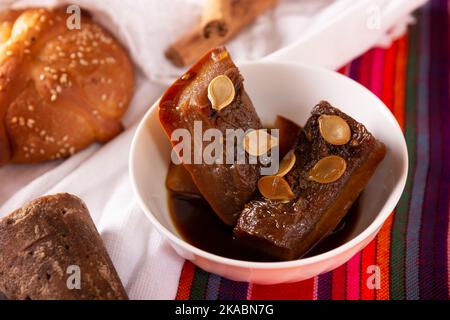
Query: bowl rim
<point x="374" y="227"/>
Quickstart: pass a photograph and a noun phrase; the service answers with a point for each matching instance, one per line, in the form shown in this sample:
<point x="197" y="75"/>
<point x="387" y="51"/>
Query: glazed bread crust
<point x="60" y="89"/>
<point x="40" y="241"/>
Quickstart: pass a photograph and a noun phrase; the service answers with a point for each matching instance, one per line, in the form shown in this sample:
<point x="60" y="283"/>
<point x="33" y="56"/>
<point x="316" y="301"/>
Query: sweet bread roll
<point x="60" y="89"/>
<point x="42" y="242"/>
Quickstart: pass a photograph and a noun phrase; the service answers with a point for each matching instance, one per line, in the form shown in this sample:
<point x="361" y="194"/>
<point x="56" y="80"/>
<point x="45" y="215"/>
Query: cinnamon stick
<point x="215" y="19"/>
<point x="192" y="45"/>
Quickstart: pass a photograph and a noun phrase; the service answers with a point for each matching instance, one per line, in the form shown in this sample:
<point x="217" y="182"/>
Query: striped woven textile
<point x="412" y="249"/>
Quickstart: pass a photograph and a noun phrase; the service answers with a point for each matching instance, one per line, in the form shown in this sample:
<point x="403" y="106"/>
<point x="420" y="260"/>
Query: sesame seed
<point x="63" y="78"/>
<point x="21" y="121"/>
<point x="104" y="97"/>
<point x="42" y="77"/>
<point x="9" y="53"/>
<point x="14" y="120"/>
<point x="83" y="62"/>
<point x="65" y="138"/>
<point x="30" y="108"/>
<point x="53" y="98"/>
<point x="27" y="51"/>
<point x="43" y="132"/>
<point x="30" y="123"/>
<point x="42" y="151"/>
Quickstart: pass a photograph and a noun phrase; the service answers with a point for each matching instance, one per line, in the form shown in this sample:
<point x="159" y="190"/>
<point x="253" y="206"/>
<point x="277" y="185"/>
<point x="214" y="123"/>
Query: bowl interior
<point x="291" y="91"/>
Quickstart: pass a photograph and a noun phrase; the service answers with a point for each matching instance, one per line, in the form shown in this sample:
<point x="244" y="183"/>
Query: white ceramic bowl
<point x="290" y="90"/>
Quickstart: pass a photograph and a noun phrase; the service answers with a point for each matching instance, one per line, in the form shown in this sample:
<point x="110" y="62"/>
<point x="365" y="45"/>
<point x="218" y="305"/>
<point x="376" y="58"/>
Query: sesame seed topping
<point x="63" y="78"/>
<point x="9" y="53"/>
<point x="53" y="98"/>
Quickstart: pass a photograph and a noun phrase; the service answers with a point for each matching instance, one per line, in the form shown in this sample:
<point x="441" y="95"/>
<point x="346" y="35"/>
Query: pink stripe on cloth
<point x="354" y="278"/>
<point x="315" y="288"/>
<point x="249" y="291"/>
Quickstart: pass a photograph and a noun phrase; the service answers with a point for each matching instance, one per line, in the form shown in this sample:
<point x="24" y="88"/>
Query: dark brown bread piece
<point x="226" y="187"/>
<point x="41" y="240"/>
<point x="287" y="231"/>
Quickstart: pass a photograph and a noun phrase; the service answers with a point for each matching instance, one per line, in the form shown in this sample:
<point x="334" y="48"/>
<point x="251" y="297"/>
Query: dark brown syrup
<point x="197" y="224"/>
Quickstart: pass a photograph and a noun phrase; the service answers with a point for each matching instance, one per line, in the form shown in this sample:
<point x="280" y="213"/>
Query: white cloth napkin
<point x="147" y="265"/>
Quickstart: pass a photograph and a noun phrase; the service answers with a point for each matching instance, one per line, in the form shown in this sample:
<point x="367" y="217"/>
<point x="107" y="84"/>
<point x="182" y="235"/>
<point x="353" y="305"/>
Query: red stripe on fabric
<point x="185" y="283"/>
<point x="367" y="259"/>
<point x="338" y="287"/>
<point x="364" y="74"/>
<point x="302" y="290"/>
<point x="384" y="237"/>
<point x="383" y="252"/>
